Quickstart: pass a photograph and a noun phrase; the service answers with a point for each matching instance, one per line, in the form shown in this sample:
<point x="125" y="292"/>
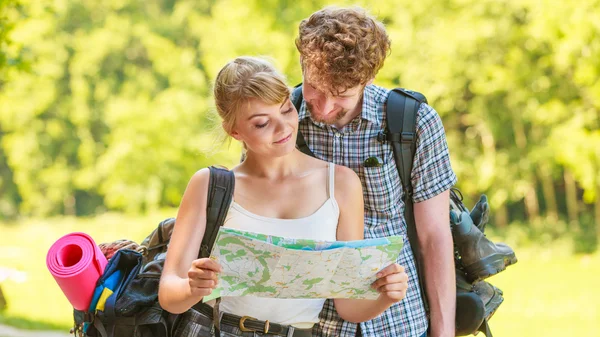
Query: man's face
<point x="330" y="108"/>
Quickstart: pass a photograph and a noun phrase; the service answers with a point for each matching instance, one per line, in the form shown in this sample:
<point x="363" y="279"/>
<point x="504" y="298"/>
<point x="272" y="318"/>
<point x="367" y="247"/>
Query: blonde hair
<point x="243" y="79"/>
<point x="341" y="48"/>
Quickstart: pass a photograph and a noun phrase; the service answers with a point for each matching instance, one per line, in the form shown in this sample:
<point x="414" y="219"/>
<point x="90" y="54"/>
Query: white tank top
<point x="321" y="225"/>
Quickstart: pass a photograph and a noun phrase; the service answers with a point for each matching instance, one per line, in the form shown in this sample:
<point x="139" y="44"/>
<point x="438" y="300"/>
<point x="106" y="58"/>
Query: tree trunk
<point x="549" y="192"/>
<point x="571" y="195"/>
<point x="3" y="303"/>
<point x="531" y="203"/>
<point x="519" y="130"/>
<point x="501" y="216"/>
<point x="69" y="205"/>
<point x="597" y="213"/>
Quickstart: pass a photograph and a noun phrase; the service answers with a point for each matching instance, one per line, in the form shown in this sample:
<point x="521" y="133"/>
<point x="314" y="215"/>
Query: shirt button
<point x="338" y="135"/>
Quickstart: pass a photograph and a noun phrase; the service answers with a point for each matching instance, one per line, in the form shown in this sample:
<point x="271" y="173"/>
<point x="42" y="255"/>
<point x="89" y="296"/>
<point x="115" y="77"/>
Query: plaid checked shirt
<point x="384" y="208"/>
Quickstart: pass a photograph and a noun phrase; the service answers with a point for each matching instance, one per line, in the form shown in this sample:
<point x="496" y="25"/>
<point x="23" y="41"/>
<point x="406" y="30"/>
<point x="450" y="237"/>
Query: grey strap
<point x="401" y="111"/>
<point x="300" y="141"/>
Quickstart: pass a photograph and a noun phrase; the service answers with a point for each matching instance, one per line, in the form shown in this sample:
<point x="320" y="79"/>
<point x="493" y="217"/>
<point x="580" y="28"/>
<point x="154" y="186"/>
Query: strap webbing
<point x="297" y="101"/>
<point x="401" y="112"/>
<point x="220" y="193"/>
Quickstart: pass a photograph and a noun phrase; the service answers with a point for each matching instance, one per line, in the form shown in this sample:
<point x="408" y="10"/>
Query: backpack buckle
<point x="88" y="317"/>
<point x="382" y="136"/>
<point x="408" y="194"/>
<point x="407" y="137"/>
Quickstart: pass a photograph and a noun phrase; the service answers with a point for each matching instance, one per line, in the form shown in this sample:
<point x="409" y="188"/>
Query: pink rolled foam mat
<point x="76" y="263"/>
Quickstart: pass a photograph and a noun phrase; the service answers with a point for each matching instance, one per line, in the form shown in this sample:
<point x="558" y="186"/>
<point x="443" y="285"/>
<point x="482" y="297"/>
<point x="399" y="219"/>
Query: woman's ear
<point x="233" y="133"/>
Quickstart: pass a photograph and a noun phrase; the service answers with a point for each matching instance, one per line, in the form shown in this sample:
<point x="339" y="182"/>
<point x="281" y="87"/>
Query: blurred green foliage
<point x="113" y="110"/>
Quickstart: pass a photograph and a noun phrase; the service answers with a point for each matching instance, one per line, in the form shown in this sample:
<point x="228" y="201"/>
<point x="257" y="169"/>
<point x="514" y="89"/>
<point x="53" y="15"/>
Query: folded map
<point x="272" y="266"/>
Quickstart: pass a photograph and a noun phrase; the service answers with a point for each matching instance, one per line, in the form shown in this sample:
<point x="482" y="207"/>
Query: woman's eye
<point x="260" y="126"/>
<point x="288" y="111"/>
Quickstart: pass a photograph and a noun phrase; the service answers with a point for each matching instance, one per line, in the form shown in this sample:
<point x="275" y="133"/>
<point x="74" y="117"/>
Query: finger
<point x="206" y="263"/>
<point x="392" y="278"/>
<point x="203" y="284"/>
<point x="391" y="269"/>
<point x="202" y="274"/>
<point x="395" y="296"/>
<point x="392" y="287"/>
<point x="201" y="291"/>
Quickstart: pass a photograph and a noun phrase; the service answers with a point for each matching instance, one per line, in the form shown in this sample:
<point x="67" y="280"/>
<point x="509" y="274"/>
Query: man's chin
<point x="329" y="118"/>
<point x="324" y="120"/>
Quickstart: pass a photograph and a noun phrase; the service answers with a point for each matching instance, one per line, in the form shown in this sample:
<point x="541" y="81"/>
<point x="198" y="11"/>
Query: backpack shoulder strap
<point x="220" y="193"/>
<point x="297" y="101"/>
<point x="401" y="115"/>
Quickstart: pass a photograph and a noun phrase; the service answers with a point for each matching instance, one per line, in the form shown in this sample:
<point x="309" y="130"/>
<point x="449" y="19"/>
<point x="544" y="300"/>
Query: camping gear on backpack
<point x="480" y="257"/>
<point x="475" y="302"/>
<point x="109" y="317"/>
<point x="478" y="302"/>
<point x="76" y="263"/>
<point x="110" y="248"/>
<point x="130" y="306"/>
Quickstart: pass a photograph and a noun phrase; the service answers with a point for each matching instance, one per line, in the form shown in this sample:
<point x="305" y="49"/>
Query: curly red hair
<point x="341" y="48"/>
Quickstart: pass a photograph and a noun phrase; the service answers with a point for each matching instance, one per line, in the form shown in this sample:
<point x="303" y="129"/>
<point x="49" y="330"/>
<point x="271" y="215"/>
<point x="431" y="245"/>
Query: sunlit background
<point x="106" y="112"/>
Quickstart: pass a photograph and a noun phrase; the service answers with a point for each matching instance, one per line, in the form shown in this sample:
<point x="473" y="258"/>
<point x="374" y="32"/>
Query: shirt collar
<point x="370" y="106"/>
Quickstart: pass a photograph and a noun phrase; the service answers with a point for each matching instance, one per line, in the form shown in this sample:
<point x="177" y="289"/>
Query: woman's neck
<point x="271" y="168"/>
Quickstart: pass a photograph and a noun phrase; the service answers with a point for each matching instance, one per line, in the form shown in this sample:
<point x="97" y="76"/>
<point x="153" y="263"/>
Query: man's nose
<point x="327" y="104"/>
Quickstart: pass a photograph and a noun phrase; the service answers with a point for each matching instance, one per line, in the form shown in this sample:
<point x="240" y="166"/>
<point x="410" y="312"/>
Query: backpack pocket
<point x="141" y="293"/>
<point x="151" y="323"/>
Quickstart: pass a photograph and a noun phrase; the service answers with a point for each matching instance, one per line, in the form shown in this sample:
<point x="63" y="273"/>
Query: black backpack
<point x="133" y="309"/>
<point x="401" y="111"/>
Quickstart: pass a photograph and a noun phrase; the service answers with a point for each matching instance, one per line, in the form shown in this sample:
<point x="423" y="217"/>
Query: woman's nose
<point x="279" y="125"/>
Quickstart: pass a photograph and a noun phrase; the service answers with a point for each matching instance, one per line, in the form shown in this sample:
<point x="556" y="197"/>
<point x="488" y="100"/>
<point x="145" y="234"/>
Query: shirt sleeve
<point x="432" y="172"/>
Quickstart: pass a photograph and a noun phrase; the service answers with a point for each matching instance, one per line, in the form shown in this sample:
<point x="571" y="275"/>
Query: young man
<point x="341" y="51"/>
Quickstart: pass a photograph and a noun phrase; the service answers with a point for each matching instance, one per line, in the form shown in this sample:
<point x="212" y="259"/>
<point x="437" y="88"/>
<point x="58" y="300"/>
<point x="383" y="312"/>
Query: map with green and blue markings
<point x="272" y="266"/>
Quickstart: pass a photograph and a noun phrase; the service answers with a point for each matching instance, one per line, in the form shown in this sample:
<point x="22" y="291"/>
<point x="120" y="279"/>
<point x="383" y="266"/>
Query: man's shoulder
<point x="427" y="115"/>
<point x="377" y="93"/>
<point x="424" y="111"/>
<point x="381" y="94"/>
<point x="427" y="118"/>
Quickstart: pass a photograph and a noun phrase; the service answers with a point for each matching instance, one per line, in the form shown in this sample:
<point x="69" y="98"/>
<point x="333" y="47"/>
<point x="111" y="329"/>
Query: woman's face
<point x="267" y="129"/>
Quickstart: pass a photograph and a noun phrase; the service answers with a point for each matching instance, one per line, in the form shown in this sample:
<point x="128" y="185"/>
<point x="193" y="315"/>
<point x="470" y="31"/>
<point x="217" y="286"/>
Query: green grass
<point x="549" y="292"/>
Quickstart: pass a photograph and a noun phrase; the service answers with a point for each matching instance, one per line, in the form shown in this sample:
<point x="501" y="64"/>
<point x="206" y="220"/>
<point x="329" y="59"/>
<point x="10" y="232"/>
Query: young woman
<point x="278" y="191"/>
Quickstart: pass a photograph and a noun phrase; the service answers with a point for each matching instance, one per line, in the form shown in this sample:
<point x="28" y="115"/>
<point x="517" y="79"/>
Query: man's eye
<point x="260" y="126"/>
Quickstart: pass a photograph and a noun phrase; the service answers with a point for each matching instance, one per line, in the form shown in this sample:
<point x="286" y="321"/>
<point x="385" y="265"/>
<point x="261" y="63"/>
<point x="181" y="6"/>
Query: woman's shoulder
<point x="201" y="176"/>
<point x="345" y="173"/>
<point x="342" y="174"/>
<point x="346" y="181"/>
<point x="198" y="184"/>
<point x="194" y="200"/>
